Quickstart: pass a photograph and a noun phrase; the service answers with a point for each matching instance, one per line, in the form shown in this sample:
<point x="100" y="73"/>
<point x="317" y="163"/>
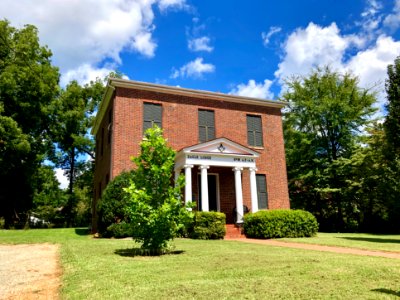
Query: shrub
<point x="208" y="226"/>
<point x="119" y="230"/>
<point x="279" y="224"/>
<point x="114" y="202"/>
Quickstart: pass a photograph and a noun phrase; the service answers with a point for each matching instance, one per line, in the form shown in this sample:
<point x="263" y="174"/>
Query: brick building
<point x="230" y="148"/>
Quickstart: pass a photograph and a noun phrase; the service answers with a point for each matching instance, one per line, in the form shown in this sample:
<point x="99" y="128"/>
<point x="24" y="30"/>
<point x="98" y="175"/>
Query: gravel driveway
<point x="29" y="271"/>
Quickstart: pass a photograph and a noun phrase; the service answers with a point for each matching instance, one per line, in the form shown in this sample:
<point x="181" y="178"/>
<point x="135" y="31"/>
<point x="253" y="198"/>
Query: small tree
<point x="156" y="211"/>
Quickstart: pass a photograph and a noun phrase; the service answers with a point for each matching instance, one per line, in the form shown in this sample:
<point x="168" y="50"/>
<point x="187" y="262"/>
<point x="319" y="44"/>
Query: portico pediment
<point x="219" y="152"/>
<point x="221" y="146"/>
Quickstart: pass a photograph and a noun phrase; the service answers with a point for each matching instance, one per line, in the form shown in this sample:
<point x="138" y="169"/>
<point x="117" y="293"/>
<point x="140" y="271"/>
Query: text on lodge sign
<point x="208" y="157"/>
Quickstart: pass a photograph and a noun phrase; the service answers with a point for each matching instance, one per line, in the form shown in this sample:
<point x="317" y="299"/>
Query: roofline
<point x="112" y="83"/>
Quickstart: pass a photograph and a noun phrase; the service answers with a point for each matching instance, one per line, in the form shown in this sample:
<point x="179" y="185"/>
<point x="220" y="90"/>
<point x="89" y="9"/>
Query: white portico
<point x="220" y="152"/>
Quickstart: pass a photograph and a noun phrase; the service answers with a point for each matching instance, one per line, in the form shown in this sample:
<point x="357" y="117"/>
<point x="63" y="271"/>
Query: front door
<point x="212" y="192"/>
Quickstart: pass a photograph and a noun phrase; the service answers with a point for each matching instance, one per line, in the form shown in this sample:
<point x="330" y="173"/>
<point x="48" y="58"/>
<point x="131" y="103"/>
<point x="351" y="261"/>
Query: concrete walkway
<point x="334" y="249"/>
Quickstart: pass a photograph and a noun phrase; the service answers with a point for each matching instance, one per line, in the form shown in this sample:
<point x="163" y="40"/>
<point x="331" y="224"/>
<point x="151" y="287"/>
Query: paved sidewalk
<point x="342" y="250"/>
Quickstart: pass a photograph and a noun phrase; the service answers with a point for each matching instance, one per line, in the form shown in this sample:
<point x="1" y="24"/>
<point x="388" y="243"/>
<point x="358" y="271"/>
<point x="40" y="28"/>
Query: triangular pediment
<point x="221" y="146"/>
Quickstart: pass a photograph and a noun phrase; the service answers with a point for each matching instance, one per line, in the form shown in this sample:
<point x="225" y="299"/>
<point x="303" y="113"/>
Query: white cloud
<point x="195" y="68"/>
<point x="266" y="36"/>
<point x="393" y="20"/>
<point x="371" y="64"/>
<point x="62" y="179"/>
<point x="254" y="89"/>
<point x="88" y="32"/>
<point x="200" y="44"/>
<point x="164" y="5"/>
<point x="84" y="74"/>
<point x="307" y="48"/>
<point x="371" y="18"/>
<point x="319" y="46"/>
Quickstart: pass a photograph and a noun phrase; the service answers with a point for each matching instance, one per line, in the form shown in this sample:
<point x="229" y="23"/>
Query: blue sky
<point x="241" y="47"/>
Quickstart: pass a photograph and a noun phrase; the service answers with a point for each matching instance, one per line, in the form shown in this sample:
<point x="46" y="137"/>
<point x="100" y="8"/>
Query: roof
<point x="130" y="84"/>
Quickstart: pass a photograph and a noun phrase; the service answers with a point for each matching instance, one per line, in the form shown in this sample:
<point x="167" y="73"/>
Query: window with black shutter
<point x="262" y="194"/>
<point x="152" y="115"/>
<point x="206" y="125"/>
<point x="254" y="131"/>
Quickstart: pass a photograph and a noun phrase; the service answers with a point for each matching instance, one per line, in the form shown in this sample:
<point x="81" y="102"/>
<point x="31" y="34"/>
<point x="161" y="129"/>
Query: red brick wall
<point x="180" y="124"/>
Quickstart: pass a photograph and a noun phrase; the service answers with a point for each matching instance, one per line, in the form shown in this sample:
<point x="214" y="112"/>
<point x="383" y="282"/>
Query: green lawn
<point x="377" y="242"/>
<point x="103" y="269"/>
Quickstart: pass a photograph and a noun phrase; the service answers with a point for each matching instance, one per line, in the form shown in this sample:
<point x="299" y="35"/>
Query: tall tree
<point x="74" y="110"/>
<point x="326" y="112"/>
<point x="392" y="122"/>
<point x="28" y="85"/>
<point x="156" y="211"/>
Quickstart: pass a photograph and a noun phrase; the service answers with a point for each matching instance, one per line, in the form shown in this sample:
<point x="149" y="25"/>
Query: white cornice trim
<point x="130" y="84"/>
<point x="194" y="93"/>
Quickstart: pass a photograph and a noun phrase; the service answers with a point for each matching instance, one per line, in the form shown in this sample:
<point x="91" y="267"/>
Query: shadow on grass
<point x="132" y="252"/>
<point x="372" y="240"/>
<point x="82" y="231"/>
<point x="387" y="291"/>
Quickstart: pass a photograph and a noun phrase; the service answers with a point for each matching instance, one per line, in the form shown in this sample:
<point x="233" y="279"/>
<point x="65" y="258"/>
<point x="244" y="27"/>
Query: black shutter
<point x="254" y="131"/>
<point x="262" y="194"/>
<point x="206" y="125"/>
<point x="152" y="115"/>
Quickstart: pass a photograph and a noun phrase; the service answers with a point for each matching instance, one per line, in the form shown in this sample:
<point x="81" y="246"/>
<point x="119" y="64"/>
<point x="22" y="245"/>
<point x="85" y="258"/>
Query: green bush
<point x="114" y="202"/>
<point x="269" y="224"/>
<point x="208" y="226"/>
<point x="119" y="230"/>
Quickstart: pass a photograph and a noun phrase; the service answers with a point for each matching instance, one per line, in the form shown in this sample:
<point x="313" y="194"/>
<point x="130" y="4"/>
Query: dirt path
<point x="29" y="271"/>
<point x="321" y="248"/>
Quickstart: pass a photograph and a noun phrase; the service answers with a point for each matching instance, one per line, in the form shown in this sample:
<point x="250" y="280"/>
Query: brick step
<point x="233" y="232"/>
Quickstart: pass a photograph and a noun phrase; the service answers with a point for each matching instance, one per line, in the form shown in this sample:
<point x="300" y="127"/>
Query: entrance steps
<point x="234" y="232"/>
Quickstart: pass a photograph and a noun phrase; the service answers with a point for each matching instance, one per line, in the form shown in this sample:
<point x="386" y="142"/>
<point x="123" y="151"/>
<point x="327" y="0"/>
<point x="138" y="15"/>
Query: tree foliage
<point x="112" y="208"/>
<point x="73" y="118"/>
<point x="327" y="110"/>
<point x="28" y="86"/>
<point x="156" y="211"/>
<point x="392" y="122"/>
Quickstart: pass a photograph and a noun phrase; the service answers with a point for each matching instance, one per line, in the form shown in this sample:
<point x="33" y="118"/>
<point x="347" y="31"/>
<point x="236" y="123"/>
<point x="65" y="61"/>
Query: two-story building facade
<point x="230" y="148"/>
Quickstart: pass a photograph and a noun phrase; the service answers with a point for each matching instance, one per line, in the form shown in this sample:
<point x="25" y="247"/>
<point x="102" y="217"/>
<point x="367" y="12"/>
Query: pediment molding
<point x="221" y="146"/>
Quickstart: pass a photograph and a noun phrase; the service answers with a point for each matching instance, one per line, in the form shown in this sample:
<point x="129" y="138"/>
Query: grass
<point x="377" y="242"/>
<point x="104" y="269"/>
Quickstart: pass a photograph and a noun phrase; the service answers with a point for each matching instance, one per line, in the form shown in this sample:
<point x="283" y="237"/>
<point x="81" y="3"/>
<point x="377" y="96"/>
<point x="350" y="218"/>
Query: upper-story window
<point x="254" y="131"/>
<point x="152" y="115"/>
<point x="206" y="125"/>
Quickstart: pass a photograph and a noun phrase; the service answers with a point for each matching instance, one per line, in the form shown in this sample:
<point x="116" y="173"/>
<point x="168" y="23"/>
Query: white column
<point x="253" y="190"/>
<point x="188" y="183"/>
<point x="239" y="194"/>
<point x="204" y="188"/>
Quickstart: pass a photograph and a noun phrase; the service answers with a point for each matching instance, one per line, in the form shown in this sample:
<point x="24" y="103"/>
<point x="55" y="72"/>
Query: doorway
<point x="213" y="192"/>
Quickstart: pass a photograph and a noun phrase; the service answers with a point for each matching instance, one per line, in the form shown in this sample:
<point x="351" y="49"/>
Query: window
<point x="262" y="194"/>
<point x="254" y="131"/>
<point x="206" y="125"/>
<point x="152" y="115"/>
